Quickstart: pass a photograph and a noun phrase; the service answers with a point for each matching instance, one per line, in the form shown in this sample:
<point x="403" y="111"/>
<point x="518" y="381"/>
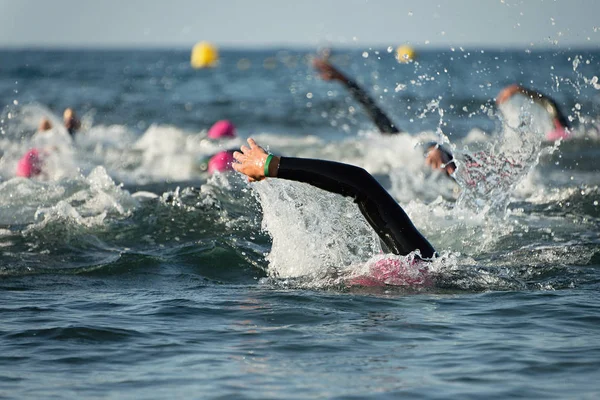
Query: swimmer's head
<point x="220" y="162"/>
<point x="30" y="164"/>
<point x="68" y="114"/>
<point x="45" y="125"/>
<point x="221" y="129"/>
<point x="70" y="120"/>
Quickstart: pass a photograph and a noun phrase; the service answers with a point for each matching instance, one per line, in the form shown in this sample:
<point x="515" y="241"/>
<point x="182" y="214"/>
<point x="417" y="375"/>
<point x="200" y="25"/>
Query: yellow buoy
<point x="204" y="55"/>
<point x="405" y="54"/>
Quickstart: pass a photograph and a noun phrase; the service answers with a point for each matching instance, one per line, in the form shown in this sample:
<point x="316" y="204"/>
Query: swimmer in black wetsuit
<point x="380" y="210"/>
<point x="562" y="127"/>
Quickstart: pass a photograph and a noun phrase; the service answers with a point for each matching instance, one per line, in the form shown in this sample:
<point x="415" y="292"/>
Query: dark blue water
<point x="127" y="272"/>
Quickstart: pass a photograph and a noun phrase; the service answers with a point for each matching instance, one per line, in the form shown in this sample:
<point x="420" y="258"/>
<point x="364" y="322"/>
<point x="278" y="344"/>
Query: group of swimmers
<point x="439" y="157"/>
<point x="379" y="208"/>
<point x="33" y="163"/>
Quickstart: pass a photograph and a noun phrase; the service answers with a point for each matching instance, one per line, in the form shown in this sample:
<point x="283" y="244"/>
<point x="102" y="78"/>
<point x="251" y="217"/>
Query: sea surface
<point x="127" y="272"/>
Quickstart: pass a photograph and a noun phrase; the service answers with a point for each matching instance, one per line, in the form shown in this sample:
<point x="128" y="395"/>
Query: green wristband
<point x="267" y="162"/>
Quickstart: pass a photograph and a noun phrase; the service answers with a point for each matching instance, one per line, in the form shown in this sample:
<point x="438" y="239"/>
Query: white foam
<point x="85" y="200"/>
<point x="313" y="231"/>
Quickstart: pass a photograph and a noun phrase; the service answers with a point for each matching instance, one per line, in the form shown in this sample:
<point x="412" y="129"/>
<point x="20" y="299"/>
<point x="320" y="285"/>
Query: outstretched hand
<point x="251" y="161"/>
<point x="327" y="71"/>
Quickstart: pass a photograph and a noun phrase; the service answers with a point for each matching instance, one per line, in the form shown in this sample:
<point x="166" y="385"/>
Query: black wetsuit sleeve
<point x="380" y="210"/>
<point x="384" y="124"/>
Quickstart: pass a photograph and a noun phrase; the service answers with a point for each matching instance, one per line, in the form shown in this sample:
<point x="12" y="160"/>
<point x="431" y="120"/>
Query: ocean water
<point x="127" y="272"/>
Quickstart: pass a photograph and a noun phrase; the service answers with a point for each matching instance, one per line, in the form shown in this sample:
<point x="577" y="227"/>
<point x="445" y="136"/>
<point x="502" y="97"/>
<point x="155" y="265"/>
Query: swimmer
<point x="561" y="124"/>
<point x="221" y="161"/>
<point x="45" y="125"/>
<point x="439" y="157"/>
<point x="71" y="122"/>
<point x="31" y="164"/>
<point x="378" y="207"/>
<point x="222" y="129"/>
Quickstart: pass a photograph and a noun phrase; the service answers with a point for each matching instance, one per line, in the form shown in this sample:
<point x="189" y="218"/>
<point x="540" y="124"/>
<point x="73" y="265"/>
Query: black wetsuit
<point x="384" y="124"/>
<point x="382" y="212"/>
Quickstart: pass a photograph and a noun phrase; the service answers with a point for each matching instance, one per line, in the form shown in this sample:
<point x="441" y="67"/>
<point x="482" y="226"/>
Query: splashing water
<point x="314" y="233"/>
<point x="489" y="177"/>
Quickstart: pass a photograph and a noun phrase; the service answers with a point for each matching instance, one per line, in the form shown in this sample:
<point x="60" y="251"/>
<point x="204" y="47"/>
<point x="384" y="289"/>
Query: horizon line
<point x="294" y="47"/>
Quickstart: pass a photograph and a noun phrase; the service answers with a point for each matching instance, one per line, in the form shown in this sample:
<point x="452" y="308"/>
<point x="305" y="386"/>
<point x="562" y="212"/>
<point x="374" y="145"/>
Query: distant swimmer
<point x="31" y="164"/>
<point x="71" y="122"/>
<point x="561" y="128"/>
<point x="438" y="157"/>
<point x="221" y="161"/>
<point x="45" y="125"/>
<point x="379" y="208"/>
<point x="221" y="130"/>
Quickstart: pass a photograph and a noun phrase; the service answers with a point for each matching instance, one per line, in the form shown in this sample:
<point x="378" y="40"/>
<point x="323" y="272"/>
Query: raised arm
<point x="381" y="211"/>
<point x="329" y="73"/>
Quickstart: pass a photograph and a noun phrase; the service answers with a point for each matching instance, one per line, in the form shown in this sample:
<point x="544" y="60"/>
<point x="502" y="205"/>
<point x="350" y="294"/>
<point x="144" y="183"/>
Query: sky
<point x="301" y="23"/>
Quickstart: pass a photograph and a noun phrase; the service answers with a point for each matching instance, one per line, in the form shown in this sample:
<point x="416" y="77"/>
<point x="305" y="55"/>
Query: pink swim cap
<point x="221" y="129"/>
<point x="220" y="162"/>
<point x="395" y="272"/>
<point x="30" y="164"/>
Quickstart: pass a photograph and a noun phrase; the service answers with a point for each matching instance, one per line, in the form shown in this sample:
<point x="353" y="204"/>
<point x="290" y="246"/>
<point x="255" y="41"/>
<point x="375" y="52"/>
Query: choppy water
<point x="128" y="273"/>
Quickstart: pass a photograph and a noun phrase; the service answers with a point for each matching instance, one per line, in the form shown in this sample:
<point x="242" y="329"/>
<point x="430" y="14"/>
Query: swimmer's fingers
<point x="252" y="143"/>
<point x="239" y="157"/>
<point x="245" y="150"/>
<point x="255" y="147"/>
